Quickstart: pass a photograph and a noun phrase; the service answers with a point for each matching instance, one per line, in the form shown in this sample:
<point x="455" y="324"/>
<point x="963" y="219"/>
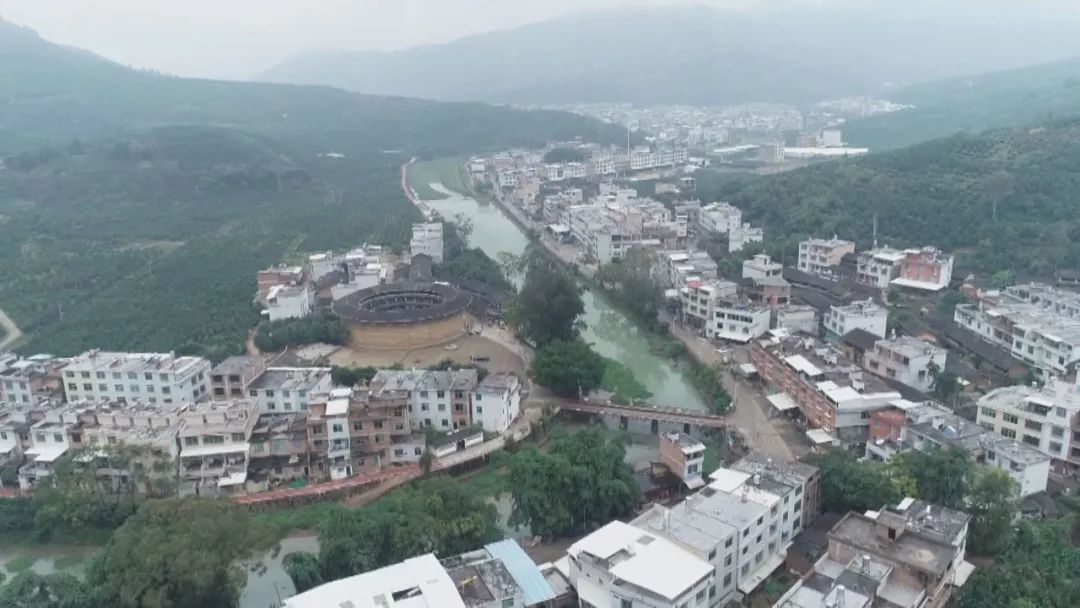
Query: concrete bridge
<point x="655" y="420"/>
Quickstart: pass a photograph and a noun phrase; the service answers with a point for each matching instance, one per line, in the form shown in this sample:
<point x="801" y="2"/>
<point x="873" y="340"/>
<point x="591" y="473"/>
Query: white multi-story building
<point x="797" y="318"/>
<point x="699" y="300"/>
<point x="864" y="314"/>
<point x="27" y="382"/>
<point x="878" y="267"/>
<point x="290" y="301"/>
<point x="496" y="402"/>
<point x="822" y="256"/>
<point x="1036" y="324"/>
<point x="738" y="321"/>
<point x="740" y="524"/>
<point x="427" y="239"/>
<point x="908" y="360"/>
<point x="288" y="389"/>
<point x="719" y="218"/>
<point x="136" y="377"/>
<point x="1043" y="418"/>
<point x="761" y="266"/>
<point x="624" y="565"/>
<point x="439" y="399"/>
<point x="680" y="267"/>
<point x="49" y="440"/>
<point x="215" y="440"/>
<point x="741" y="236"/>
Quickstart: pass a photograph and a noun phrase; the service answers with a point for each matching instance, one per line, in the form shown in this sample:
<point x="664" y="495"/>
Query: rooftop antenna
<point x="875" y="230"/>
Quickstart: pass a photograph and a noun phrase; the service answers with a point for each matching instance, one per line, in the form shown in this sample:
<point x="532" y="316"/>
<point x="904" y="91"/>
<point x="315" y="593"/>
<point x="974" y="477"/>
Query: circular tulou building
<point x="405" y="316"/>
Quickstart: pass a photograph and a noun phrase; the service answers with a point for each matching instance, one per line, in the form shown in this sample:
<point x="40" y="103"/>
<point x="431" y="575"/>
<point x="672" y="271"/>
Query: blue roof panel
<point x="533" y="585"/>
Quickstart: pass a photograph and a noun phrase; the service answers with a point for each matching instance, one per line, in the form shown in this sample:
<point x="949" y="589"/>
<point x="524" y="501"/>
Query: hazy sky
<point x="238" y="38"/>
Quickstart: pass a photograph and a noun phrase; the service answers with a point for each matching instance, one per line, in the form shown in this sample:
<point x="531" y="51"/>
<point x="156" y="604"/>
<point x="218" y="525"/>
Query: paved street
<point x="776" y="437"/>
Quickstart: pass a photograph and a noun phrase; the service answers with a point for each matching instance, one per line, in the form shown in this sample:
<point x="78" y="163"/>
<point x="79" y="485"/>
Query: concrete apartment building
<point x="907" y="360"/>
<point x="1046" y="418"/>
<point x="354" y="430"/>
<point x="154" y="378"/>
<point x="230" y="378"/>
<point x="700" y="299"/>
<point x="50" y="439"/>
<point x="926" y="269"/>
<point x="28" y="382"/>
<point x="907" y="556"/>
<point x="738" y="321"/>
<point x="277" y="275"/>
<point x="741" y="236"/>
<point x="439" y="399"/>
<point x="719" y="218"/>
<point x="625" y="565"/>
<point x="829" y="391"/>
<point x="927" y="426"/>
<point x="684" y="456"/>
<point x="496" y="402"/>
<point x="427" y="239"/>
<point x="878" y="267"/>
<point x="280" y="451"/>
<point x="1035" y="323"/>
<point x="678" y="268"/>
<point x="214" y="439"/>
<point x="288" y="389"/>
<point x="290" y="302"/>
<point x="797" y="318"/>
<point x="760" y="267"/>
<point x="864" y="314"/>
<point x="822" y="256"/>
<point x="740" y="524"/>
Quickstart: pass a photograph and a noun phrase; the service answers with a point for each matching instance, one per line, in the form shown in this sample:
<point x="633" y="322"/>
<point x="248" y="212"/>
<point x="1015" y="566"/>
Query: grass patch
<point x="67" y="562"/>
<point x="20" y="564"/>
<point x="490" y="481"/>
<point x="298" y="519"/>
<point x="446" y="171"/>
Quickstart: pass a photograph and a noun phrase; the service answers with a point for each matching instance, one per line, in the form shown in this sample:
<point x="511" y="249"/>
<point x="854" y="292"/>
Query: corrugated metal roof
<point x="534" y="586"/>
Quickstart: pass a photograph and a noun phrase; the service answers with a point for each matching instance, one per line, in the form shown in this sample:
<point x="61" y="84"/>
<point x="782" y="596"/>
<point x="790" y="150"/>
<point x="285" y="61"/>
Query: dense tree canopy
<point x="924" y="193"/>
<point x="630" y="283"/>
<point x="175" y="554"/>
<point x="580" y="483"/>
<point x="549" y="303"/>
<point x="275" y="335"/>
<point x="569" y="368"/>
<point x="1038" y="566"/>
<point x="437" y="515"/>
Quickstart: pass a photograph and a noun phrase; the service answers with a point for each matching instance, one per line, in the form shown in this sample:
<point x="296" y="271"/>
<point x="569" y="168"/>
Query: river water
<point x="611" y="332"/>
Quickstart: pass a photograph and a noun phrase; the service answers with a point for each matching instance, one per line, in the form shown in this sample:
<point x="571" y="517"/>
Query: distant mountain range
<point x="693" y="55"/>
<point x="52" y="93"/>
<point x="973" y="104"/>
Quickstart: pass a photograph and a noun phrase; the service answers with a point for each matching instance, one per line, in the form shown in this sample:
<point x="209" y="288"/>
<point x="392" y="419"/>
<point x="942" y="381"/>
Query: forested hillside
<point x="135" y="208"/>
<point x="50" y="94"/>
<point x="942" y="192"/>
<point x="973" y="104"/>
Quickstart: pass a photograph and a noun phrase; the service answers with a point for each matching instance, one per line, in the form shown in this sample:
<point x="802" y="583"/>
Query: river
<point x="611" y="332"/>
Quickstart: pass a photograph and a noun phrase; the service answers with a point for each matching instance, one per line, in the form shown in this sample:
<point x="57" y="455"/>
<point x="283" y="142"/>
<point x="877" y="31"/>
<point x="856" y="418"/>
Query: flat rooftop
<point x="290" y="378"/>
<point x="911" y="549"/>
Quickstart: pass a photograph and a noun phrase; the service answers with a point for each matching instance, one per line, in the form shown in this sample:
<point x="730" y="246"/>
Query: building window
<point x="191" y="441"/>
<point x="337" y="428"/>
<point x="440" y="394"/>
<point x="727" y="580"/>
<point x="727" y="559"/>
<point x="1010" y="418"/>
<point x="1008" y="433"/>
<point x="358" y="426"/>
<point x="238" y="437"/>
<point x="988" y="412"/>
<point x="727" y="544"/>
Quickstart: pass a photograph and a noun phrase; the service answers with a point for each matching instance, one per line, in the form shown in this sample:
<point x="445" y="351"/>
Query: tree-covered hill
<point x="942" y="192"/>
<point x="973" y="104"/>
<point x="51" y="93"/>
<point x="135" y="208"/>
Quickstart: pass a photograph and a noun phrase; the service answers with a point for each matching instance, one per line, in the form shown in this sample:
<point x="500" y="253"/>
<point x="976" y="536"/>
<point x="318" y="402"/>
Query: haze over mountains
<point x="698" y="55"/>
<point x="51" y="93"/>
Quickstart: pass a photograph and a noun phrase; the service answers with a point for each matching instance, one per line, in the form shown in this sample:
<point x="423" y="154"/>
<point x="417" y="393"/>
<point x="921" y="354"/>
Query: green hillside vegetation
<point x="941" y="193"/>
<point x="124" y="226"/>
<point x="973" y="104"/>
